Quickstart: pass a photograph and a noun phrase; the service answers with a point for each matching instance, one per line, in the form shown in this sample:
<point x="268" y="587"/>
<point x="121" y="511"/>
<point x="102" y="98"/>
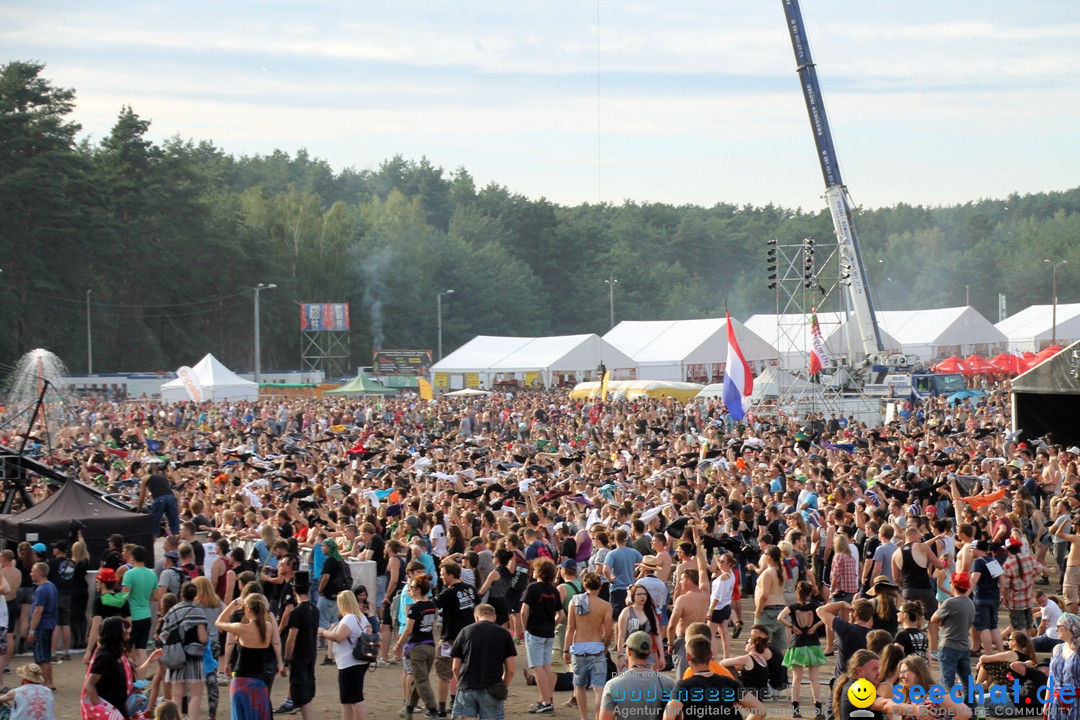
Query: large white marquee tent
<point x="665" y="349"/>
<point x="1032" y="329"/>
<point x="218" y="383"/>
<point x="493" y="358"/>
<point x="941" y="332"/>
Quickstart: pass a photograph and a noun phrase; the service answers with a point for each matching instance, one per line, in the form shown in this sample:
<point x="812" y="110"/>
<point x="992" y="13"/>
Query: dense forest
<point x="170" y="238"/>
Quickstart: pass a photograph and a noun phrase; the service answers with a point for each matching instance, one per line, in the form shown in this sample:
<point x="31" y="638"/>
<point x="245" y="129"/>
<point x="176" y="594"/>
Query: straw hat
<point x="31" y="672"/>
<point x="881" y="581"/>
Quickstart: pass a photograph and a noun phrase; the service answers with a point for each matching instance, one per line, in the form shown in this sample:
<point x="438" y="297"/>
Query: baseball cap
<point x="983" y="545"/>
<point x="38" y="548"/>
<point x="106" y="575"/>
<point x="639" y="642"/>
<point x="1013" y="543"/>
<point x="568" y="564"/>
<point x="172" y="555"/>
<point x="961" y="581"/>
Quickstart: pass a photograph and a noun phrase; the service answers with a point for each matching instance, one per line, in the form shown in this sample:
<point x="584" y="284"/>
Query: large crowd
<point x="657" y="558"/>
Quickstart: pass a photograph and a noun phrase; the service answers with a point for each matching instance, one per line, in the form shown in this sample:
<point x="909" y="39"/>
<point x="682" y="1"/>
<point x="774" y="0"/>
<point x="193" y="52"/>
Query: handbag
<point x="498" y="691"/>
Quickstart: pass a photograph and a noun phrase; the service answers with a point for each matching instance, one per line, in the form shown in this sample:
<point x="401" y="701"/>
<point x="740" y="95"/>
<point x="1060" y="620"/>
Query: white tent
<point x="681" y="349"/>
<point x="218" y="383"/>
<point x="493" y="359"/>
<point x="942" y="332"/>
<point x="1032" y="329"/>
<point x="790" y="334"/>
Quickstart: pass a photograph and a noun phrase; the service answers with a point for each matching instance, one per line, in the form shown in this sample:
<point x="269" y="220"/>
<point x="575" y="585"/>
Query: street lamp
<point x="611" y="297"/>
<point x="89" y="341"/>
<point x="1053" y="313"/>
<point x="438" y="304"/>
<point x="258" y="353"/>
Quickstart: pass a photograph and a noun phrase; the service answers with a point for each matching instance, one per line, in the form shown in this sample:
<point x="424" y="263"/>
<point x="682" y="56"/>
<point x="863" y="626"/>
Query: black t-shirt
<point x="112" y="685"/>
<point x="200" y="553"/>
<point x="377" y="546"/>
<point x="850" y="637"/>
<point x="544" y="605"/>
<point x="331" y="567"/>
<point x="708" y="696"/>
<point x="158" y="485"/>
<point x="482" y="647"/>
<point x="457" y="603"/>
<point x="62" y="575"/>
<point x="286" y="597"/>
<point x="305" y="618"/>
<point x="423" y="614"/>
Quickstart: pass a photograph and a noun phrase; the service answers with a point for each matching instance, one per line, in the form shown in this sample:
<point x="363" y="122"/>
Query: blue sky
<point x="678" y="101"/>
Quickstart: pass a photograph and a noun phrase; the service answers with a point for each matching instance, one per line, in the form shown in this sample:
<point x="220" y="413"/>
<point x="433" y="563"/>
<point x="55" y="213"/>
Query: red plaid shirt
<point x="844" y="578"/>
<point x="1017" y="583"/>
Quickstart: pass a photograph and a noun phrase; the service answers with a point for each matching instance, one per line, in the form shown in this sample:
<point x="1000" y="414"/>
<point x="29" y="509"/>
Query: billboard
<point x="324" y="317"/>
<point x="411" y="363"/>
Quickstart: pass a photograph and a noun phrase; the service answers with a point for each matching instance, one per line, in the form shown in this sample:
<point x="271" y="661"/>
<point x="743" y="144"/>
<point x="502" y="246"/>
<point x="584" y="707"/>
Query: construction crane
<point x="882" y="369"/>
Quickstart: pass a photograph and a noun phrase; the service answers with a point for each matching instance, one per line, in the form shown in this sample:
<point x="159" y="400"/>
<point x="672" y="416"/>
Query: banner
<point x="472" y="380"/>
<point x="819" y="354"/>
<point x="324" y="317"/>
<point x="191" y="383"/>
<point x="410" y="363"/>
<point x="425" y="389"/>
<point x="738" y="382"/>
<point x="442" y="380"/>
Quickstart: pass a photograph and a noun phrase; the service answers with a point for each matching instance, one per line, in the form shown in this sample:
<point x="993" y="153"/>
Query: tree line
<point x="170" y="237"/>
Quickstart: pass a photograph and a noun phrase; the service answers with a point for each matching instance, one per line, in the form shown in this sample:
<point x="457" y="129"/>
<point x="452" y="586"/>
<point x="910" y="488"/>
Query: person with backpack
<point x="186" y="624"/>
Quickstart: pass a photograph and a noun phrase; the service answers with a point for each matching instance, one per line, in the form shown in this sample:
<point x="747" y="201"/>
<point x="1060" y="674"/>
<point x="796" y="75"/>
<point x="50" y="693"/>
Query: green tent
<point x="361" y="385"/>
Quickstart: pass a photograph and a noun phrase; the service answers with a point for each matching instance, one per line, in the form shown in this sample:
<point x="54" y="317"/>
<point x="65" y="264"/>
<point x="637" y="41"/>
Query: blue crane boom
<point x="836" y="194"/>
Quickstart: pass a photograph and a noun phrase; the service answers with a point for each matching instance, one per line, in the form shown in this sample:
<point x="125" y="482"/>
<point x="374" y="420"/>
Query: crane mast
<point x="866" y="329"/>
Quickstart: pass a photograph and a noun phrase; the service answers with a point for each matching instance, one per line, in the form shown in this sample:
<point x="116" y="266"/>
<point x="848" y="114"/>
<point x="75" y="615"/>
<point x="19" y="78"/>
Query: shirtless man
<point x="588" y="633"/>
<point x="13" y="579"/>
<point x="691" y="605"/>
<point x="663" y="557"/>
<point x="1071" y="580"/>
<point x="769" y="597"/>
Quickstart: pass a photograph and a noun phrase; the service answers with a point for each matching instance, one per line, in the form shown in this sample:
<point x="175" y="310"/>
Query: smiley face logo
<point x="862" y="693"/>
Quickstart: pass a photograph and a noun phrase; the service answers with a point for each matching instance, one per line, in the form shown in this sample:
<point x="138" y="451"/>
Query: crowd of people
<point x="673" y="561"/>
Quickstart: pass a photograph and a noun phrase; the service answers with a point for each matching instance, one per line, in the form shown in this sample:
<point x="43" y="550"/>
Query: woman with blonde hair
<point x="208" y="600"/>
<point x="351" y="672"/>
<point x="249" y="694"/>
<point x="80" y="593"/>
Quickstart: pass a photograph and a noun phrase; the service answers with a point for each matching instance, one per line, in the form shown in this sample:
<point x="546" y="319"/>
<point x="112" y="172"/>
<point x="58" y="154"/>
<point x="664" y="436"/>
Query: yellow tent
<point x="633" y="389"/>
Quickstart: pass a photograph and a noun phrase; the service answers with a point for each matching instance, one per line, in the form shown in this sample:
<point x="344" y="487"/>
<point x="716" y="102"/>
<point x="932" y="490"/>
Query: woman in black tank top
<point x="914" y="575"/>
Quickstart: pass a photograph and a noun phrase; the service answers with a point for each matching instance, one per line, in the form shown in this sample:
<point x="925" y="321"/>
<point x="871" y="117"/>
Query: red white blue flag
<point x="738" y="382"/>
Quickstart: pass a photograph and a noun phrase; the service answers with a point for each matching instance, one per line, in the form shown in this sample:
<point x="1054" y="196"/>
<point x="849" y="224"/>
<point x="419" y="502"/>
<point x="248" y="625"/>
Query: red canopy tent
<point x="951" y="365"/>
<point x="1011" y="364"/>
<point x="978" y="366"/>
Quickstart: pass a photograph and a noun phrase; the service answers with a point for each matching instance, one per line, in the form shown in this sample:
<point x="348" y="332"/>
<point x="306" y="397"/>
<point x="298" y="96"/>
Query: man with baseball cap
<point x="641" y="692"/>
<point x="986" y="572"/>
<point x="955" y="617"/>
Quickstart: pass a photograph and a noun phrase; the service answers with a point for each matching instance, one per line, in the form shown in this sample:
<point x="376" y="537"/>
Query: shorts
<point x="1021" y="620"/>
<point x="350" y="683"/>
<point x="477" y="704"/>
<point x="1070" y="583"/>
<point x="328" y="612"/>
<point x="3" y="641"/>
<point x="513" y="601"/>
<point x="589" y="670"/>
<point x="43" y="646"/>
<point x="13" y="615"/>
<point x="538" y="650"/>
<point x="927" y="597"/>
<point x="444" y="668"/>
<point x="302" y="682"/>
<point x="406" y="666"/>
<point x="24" y="595"/>
<point x="140" y="633"/>
<point x="63" y="611"/>
<point x="985" y="615"/>
<point x="502" y="610"/>
<point x="386" y="618"/>
<point x="719" y="615"/>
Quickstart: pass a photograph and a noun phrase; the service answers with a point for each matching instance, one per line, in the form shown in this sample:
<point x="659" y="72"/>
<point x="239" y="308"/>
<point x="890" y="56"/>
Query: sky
<point x="676" y="101"/>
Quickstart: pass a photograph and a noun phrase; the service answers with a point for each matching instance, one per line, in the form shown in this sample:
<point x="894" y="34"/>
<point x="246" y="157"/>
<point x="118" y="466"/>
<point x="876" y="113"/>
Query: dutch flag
<point x="738" y="382"/>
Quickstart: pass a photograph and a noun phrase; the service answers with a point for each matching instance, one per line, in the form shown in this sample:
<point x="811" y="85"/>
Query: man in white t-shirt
<point x="1048" y="613"/>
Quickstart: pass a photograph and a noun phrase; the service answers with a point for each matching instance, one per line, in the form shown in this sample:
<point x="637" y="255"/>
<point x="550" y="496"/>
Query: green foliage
<point x="172" y="236"/>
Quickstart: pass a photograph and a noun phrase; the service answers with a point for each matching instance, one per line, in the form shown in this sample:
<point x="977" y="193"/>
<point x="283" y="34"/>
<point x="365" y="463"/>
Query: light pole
<point x="438" y="305"/>
<point x="258" y="351"/>
<point x="1053" y="312"/>
<point x="611" y="297"/>
<point x="89" y="340"/>
<point x="967" y="295"/>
